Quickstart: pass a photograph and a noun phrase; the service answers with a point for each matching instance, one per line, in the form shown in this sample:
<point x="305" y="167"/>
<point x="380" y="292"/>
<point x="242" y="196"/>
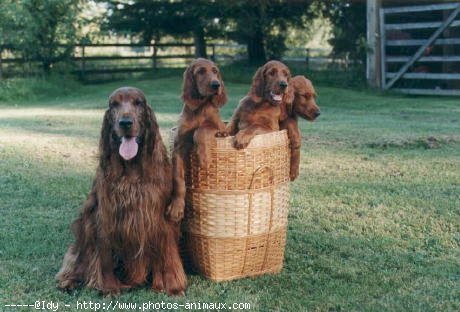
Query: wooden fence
<point x="115" y="58"/>
<point x="419" y="43"/>
<point x="92" y="61"/>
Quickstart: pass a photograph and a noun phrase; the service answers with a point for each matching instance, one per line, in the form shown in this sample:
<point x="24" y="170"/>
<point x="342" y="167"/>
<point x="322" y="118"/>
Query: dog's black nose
<point x="317" y="113"/>
<point x="283" y="84"/>
<point x="125" y="122"/>
<point x="215" y="84"/>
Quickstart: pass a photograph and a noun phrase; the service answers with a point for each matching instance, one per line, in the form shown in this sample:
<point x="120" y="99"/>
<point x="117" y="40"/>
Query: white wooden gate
<point x="406" y="63"/>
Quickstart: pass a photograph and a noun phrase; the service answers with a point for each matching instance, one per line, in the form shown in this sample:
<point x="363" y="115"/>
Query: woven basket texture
<point x="236" y="209"/>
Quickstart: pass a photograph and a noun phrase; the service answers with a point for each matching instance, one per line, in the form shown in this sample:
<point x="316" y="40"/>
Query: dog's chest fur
<point x="130" y="214"/>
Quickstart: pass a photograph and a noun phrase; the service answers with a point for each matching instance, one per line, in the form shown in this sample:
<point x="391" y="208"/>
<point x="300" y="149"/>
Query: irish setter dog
<point x="122" y="238"/>
<point x="304" y="105"/>
<point x="259" y="112"/>
<point x="203" y="93"/>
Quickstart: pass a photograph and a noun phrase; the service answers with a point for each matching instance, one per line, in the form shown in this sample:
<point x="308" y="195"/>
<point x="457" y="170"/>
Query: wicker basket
<point x="236" y="209"/>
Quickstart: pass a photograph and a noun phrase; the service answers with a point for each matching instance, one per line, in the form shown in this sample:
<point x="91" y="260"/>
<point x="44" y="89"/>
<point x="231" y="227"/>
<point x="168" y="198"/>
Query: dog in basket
<point x="122" y="238"/>
<point x="260" y="111"/>
<point x="203" y="93"/>
<point x="303" y="105"/>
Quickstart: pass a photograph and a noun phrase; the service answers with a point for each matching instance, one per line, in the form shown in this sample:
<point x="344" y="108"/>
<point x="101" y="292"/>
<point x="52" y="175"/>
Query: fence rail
<point x="433" y="62"/>
<point x="84" y="60"/>
<point x="93" y="60"/>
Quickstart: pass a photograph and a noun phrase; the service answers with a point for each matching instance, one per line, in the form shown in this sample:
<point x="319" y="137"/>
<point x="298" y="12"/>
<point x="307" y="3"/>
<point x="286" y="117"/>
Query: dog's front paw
<point x="158" y="283"/>
<point x="294" y="173"/>
<point x="175" y="283"/>
<point x="221" y="134"/>
<point x="112" y="287"/>
<point x="68" y="284"/>
<point x="171" y="285"/>
<point x="203" y="159"/>
<point x="110" y="292"/>
<point x="175" y="211"/>
<point x="241" y="140"/>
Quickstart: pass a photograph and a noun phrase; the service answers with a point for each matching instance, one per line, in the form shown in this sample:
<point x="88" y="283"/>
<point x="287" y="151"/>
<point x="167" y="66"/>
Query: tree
<point x="263" y="25"/>
<point x="348" y="19"/>
<point x="155" y="19"/>
<point x="10" y="15"/>
<point x="41" y="30"/>
<point x="52" y="29"/>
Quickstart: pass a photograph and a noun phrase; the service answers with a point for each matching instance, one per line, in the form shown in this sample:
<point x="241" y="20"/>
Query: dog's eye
<point x="138" y="102"/>
<point x="201" y="71"/>
<point x="113" y="103"/>
<point x="214" y="70"/>
<point x="272" y="72"/>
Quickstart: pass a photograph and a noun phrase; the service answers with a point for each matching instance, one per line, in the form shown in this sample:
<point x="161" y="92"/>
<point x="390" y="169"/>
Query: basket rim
<point x="260" y="141"/>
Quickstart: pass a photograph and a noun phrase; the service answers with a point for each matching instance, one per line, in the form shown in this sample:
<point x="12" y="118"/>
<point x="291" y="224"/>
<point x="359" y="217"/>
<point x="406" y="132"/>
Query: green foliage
<point x="264" y="25"/>
<point x="38" y="29"/>
<point x="349" y="29"/>
<point x="7" y="17"/>
<point x="154" y="19"/>
<point x="373" y="226"/>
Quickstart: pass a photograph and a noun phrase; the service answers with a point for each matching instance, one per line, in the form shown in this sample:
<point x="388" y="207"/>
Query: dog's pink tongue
<point x="128" y="148"/>
<point x="276" y="97"/>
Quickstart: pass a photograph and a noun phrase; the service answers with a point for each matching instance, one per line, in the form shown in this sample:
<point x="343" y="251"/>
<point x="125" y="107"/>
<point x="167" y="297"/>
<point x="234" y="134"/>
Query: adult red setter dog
<point x="259" y="112"/>
<point x="203" y="93"/>
<point x="122" y="236"/>
<point x="304" y="105"/>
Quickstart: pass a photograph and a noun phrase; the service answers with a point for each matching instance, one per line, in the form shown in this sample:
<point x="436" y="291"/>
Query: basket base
<point x="223" y="259"/>
<point x="272" y="271"/>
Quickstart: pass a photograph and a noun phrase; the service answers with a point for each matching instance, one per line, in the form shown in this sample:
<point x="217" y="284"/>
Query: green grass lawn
<point x="374" y="221"/>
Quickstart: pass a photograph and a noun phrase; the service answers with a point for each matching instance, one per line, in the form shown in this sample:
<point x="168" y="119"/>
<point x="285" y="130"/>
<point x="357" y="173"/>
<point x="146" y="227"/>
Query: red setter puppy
<point x="304" y="105"/>
<point x="122" y="236"/>
<point x="203" y="93"/>
<point x="259" y="112"/>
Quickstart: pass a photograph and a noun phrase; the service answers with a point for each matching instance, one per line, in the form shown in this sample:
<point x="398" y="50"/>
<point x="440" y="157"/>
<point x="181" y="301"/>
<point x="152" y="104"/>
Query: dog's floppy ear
<point x="258" y="85"/>
<point x="105" y="143"/>
<point x="151" y="129"/>
<point x="221" y="98"/>
<point x="289" y="93"/>
<point x="190" y="95"/>
<point x="154" y="149"/>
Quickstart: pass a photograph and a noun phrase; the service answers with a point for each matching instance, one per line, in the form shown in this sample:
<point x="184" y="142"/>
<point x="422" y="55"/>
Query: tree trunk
<point x="46" y="65"/>
<point x="256" y="48"/>
<point x="155" y="51"/>
<point x="200" y="42"/>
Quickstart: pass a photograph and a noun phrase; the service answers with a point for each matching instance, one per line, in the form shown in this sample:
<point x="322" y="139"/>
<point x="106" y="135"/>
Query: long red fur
<point x="122" y="238"/>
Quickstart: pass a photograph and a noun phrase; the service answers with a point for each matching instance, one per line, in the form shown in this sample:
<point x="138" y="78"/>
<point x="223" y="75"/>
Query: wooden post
<point x="83" y="63"/>
<point x="154" y="56"/>
<point x="449" y="50"/>
<point x="383" y="52"/>
<point x="26" y="63"/>
<point x="307" y="57"/>
<point x="374" y="58"/>
<point x="213" y="56"/>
